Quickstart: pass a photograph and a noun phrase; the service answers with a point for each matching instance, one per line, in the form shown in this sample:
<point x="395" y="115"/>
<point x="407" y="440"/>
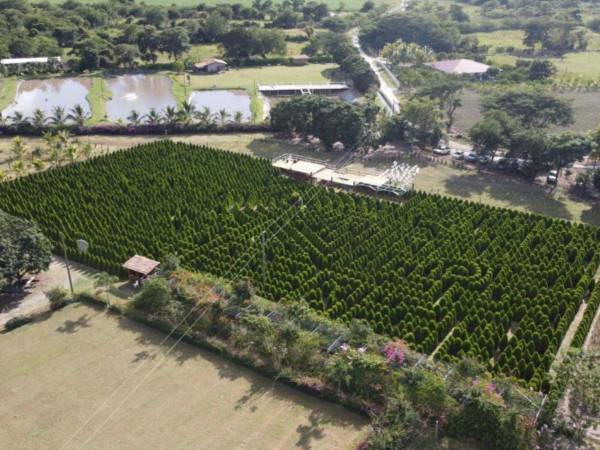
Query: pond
<point x="140" y="93"/>
<point x="231" y="101"/>
<point x="48" y="94"/>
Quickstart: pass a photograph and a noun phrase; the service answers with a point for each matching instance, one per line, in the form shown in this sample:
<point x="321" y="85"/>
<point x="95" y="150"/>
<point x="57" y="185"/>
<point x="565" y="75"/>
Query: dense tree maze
<point x="462" y="278"/>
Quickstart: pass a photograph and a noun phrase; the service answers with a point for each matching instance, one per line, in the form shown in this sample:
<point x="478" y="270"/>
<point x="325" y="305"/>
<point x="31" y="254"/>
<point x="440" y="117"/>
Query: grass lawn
<point x="586" y="110"/>
<point x="497" y="190"/>
<point x="97" y="97"/>
<point x="502" y="38"/>
<point x="196" y="53"/>
<point x="8" y="90"/>
<point x="247" y="78"/>
<point x="56" y="373"/>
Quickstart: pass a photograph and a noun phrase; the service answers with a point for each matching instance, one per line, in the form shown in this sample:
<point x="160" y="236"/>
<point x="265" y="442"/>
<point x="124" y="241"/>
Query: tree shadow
<point x="254" y="392"/>
<point x="333" y="74"/>
<point x="592" y="215"/>
<point x="312" y="431"/>
<point x="509" y="189"/>
<point x="72" y="326"/>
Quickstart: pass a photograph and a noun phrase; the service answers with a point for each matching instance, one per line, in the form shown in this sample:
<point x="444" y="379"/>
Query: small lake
<point x="48" y="94"/>
<point x="138" y="92"/>
<point x="231" y="101"/>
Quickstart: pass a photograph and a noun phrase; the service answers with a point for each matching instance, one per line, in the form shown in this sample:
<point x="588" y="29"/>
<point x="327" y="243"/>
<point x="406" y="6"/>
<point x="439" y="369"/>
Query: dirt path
<point x="35" y="299"/>
<point x="565" y="345"/>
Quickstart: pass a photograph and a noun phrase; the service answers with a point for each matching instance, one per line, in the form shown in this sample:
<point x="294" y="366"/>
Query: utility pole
<point x="62" y="240"/>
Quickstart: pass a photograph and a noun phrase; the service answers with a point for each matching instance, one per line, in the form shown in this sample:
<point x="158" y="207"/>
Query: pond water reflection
<point x="48" y="94"/>
<point x="229" y="100"/>
<point x="140" y="93"/>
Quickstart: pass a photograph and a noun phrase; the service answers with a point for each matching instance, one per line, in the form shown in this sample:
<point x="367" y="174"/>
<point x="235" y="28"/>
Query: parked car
<point x="458" y="154"/>
<point x="552" y="177"/>
<point x="441" y="151"/>
<point x="471" y="157"/>
<point x="484" y="159"/>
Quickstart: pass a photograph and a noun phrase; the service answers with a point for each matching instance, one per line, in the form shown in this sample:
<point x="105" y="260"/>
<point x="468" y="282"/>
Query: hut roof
<point x="141" y="264"/>
<point x="459" y="66"/>
<point x="208" y="62"/>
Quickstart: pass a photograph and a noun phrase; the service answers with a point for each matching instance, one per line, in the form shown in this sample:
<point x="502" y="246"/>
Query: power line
<point x="315" y="189"/>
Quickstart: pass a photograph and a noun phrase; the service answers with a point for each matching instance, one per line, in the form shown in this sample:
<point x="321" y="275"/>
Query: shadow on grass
<point x="324" y="413"/>
<point x="511" y="190"/>
<point x="72" y="326"/>
<point x="592" y="215"/>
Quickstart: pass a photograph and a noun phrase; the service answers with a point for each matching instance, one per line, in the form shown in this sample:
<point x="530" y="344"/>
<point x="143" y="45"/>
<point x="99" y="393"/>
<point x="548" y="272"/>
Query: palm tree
<point x="238" y="117"/>
<point x="38" y="164"/>
<point x="19" y="168"/>
<point x="58" y="117"/>
<point x="71" y="150"/>
<point x="78" y="115"/>
<point x="134" y="118"/>
<point x="38" y="119"/>
<point x="87" y="150"/>
<point x="18" y="118"/>
<point x="49" y="140"/>
<point x="187" y="112"/>
<point x="18" y="148"/>
<point x="205" y="116"/>
<point x="170" y="115"/>
<point x="153" y="117"/>
<point x="223" y="116"/>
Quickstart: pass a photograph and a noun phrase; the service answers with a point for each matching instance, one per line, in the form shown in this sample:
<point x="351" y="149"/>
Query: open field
<point x="502" y="38"/>
<point x="56" y="373"/>
<point x="586" y="110"/>
<point x="246" y="78"/>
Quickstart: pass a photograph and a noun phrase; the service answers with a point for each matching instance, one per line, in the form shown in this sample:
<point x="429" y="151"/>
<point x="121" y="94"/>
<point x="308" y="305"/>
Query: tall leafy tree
<point x="23" y="249"/>
<point x="533" y="108"/>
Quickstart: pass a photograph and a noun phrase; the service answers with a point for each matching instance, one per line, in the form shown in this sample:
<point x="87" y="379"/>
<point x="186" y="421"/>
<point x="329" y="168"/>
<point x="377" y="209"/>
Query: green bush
<point x="58" y="298"/>
<point x="155" y="295"/>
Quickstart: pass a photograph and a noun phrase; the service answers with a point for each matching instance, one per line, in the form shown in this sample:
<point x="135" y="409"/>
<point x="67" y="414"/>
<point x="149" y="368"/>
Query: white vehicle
<point x="458" y="154"/>
<point x="552" y="177"/>
<point x="441" y="151"/>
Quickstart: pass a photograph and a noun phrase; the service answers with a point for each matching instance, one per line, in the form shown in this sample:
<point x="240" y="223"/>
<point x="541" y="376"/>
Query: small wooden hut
<point x="139" y="267"/>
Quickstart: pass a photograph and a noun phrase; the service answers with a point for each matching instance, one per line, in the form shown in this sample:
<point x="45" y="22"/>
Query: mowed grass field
<point x="586" y="110"/>
<point x="248" y="78"/>
<point x="55" y="373"/>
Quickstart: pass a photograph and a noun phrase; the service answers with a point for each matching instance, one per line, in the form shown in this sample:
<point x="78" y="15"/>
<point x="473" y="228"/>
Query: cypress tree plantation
<point x="447" y="275"/>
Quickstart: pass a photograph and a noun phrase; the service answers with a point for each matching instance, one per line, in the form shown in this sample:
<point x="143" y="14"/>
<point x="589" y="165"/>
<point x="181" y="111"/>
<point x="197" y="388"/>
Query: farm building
<point x="139" y="267"/>
<point x="460" y="67"/>
<point x="302" y="89"/>
<point x="18" y="65"/>
<point x="211" y="65"/>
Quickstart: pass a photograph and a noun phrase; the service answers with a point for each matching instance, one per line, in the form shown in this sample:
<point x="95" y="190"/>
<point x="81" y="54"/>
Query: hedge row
<point x="132" y="130"/>
<point x="496" y="285"/>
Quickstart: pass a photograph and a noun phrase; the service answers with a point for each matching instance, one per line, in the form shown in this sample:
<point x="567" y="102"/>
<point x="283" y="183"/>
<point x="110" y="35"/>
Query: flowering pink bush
<point x="394" y="352"/>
